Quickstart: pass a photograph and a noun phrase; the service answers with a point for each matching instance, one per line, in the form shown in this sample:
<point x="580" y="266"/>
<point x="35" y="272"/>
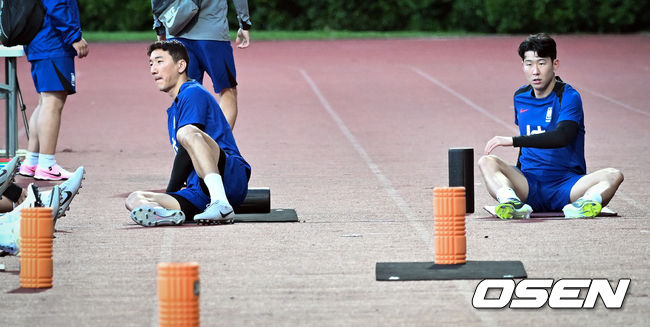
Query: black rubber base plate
<point x="401" y="271"/>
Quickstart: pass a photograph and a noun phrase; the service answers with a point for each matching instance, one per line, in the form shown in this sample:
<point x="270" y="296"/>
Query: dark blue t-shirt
<point x="195" y="105"/>
<point x="534" y="116"/>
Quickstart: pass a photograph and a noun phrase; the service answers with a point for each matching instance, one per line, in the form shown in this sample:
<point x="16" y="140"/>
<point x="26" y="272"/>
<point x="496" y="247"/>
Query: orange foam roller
<point x="449" y="221"/>
<point x="178" y="294"/>
<point x="36" y="267"/>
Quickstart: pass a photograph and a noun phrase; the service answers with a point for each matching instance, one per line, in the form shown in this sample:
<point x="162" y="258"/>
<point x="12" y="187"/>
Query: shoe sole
<point x="508" y="211"/>
<point x="588" y="210"/>
<point x="150" y="217"/>
<point x="230" y="219"/>
<point x="41" y="178"/>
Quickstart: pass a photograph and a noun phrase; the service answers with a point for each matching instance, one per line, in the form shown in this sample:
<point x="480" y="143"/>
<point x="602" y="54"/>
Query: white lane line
<point x="424" y="234"/>
<point x="614" y="101"/>
<point x="464" y="99"/>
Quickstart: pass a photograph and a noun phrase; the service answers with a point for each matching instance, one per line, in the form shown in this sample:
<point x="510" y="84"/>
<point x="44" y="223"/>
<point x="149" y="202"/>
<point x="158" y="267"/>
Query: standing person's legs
<point x="507" y="185"/>
<point x="228" y="104"/>
<point x="215" y="58"/>
<point x="54" y="79"/>
<point x="219" y="62"/>
<point x="48" y="122"/>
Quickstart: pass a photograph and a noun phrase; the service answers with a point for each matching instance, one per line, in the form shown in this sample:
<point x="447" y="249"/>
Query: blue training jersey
<point x="195" y="105"/>
<point x="534" y="116"/>
<point x="61" y="28"/>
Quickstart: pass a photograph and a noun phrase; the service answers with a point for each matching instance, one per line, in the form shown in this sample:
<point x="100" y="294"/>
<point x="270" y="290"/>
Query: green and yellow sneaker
<point x="513" y="208"/>
<point x="582" y="208"/>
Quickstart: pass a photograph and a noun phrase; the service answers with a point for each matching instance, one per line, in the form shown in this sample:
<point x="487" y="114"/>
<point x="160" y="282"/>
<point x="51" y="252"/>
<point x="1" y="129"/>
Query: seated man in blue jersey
<point x="551" y="173"/>
<point x="217" y="178"/>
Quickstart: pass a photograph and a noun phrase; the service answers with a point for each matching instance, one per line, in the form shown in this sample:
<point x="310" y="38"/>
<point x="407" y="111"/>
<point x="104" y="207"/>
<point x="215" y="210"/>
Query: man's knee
<point x="52" y="101"/>
<point x="189" y="135"/>
<point x="614" y="176"/>
<point x="134" y="199"/>
<point x="488" y="163"/>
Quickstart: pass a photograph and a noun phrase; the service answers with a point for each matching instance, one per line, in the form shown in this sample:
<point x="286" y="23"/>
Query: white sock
<point x="505" y="193"/>
<point x="215" y="187"/>
<point x="46" y="160"/>
<point x="31" y="158"/>
<point x="593" y="197"/>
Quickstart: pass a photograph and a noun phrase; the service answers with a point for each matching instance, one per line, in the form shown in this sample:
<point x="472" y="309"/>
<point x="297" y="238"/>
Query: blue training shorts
<point x="549" y="192"/>
<point x="213" y="57"/>
<point x="235" y="175"/>
<point x="54" y="74"/>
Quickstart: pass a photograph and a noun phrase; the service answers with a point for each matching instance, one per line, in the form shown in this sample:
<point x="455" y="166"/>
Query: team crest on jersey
<point x="549" y="114"/>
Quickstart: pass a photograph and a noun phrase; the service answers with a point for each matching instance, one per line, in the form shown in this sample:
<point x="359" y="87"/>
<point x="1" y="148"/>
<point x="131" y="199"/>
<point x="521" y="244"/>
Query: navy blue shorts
<point x="213" y="57"/>
<point x="54" y="74"/>
<point x="550" y="192"/>
<point x="235" y="175"/>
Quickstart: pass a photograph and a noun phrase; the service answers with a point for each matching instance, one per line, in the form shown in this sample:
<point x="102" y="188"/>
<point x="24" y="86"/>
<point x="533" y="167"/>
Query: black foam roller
<point x="461" y="173"/>
<point x="258" y="200"/>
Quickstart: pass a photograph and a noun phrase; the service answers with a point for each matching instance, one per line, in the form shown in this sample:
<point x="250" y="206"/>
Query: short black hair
<point x="541" y="43"/>
<point x="175" y="49"/>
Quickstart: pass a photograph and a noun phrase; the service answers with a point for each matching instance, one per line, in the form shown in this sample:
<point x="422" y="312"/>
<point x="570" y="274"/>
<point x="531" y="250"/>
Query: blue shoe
<point x="7" y="174"/>
<point x="513" y="208"/>
<point x="217" y="212"/>
<point x="148" y="216"/>
<point x="582" y="208"/>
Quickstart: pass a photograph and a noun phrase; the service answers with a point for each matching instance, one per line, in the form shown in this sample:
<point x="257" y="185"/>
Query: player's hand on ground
<point x="497" y="141"/>
<point x="81" y="47"/>
<point x="243" y="39"/>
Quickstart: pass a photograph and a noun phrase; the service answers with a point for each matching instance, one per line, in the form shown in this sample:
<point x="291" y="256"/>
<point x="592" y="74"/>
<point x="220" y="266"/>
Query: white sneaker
<point x="217" y="212"/>
<point x="68" y="190"/>
<point x="148" y="216"/>
<point x="52" y="199"/>
<point x="32" y="200"/>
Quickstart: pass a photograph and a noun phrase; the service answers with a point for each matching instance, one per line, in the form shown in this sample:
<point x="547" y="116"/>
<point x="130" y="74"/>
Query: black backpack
<point x="20" y="21"/>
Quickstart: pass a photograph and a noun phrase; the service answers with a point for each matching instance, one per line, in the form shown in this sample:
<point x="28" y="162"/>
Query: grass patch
<point x="147" y="36"/>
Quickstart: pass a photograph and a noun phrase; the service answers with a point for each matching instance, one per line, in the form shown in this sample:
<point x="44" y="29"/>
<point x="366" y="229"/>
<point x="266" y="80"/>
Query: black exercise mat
<point x="275" y="216"/>
<point x="605" y="212"/>
<point x="401" y="271"/>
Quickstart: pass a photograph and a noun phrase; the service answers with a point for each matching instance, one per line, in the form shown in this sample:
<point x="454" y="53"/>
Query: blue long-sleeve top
<point x="61" y="28"/>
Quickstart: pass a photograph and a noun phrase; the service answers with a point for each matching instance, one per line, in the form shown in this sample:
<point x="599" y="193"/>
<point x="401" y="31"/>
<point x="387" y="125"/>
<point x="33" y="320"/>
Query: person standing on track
<point x="51" y="54"/>
<point x="551" y="172"/>
<point x="218" y="179"/>
<point x="207" y="41"/>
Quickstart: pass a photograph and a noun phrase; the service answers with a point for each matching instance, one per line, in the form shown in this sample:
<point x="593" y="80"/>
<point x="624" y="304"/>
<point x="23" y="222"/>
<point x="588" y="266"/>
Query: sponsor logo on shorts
<point x="564" y="294"/>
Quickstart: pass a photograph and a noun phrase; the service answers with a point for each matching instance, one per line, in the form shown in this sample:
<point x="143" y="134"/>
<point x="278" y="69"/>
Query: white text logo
<point x="565" y="293"/>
